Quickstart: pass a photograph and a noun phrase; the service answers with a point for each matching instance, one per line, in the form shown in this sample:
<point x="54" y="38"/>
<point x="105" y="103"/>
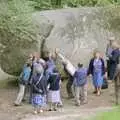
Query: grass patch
<point x="9" y="83"/>
<point x="111" y="115"/>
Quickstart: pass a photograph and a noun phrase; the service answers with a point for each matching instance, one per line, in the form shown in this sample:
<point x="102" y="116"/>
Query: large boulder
<point x="76" y="32"/>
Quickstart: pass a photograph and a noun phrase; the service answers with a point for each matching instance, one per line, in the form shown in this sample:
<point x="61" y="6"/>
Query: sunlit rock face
<point x="76" y="32"/>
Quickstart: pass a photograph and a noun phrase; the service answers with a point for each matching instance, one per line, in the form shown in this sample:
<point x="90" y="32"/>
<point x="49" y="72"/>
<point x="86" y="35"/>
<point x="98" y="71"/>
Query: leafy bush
<point x="42" y="4"/>
<point x="77" y="3"/>
<point x="112" y="18"/>
<point x="17" y="32"/>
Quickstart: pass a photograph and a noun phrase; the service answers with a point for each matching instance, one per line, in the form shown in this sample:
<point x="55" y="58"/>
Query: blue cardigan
<point x="91" y="66"/>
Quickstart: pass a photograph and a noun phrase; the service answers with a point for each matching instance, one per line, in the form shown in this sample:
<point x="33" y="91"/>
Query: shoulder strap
<point x="39" y="79"/>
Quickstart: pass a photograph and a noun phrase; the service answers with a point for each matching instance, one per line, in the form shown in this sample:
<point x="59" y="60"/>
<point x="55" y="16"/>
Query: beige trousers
<point x="20" y="94"/>
<point x="80" y="94"/>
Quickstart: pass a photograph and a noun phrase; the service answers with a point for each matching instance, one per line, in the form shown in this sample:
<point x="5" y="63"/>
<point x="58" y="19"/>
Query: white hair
<point x="38" y="68"/>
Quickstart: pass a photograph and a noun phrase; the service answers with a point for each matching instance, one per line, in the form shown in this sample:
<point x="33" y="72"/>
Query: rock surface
<point x="76" y="32"/>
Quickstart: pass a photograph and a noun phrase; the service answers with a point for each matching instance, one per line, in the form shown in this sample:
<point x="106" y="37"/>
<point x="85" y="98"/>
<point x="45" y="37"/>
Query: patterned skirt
<point x="97" y="79"/>
<point x="54" y="96"/>
<point x="37" y="100"/>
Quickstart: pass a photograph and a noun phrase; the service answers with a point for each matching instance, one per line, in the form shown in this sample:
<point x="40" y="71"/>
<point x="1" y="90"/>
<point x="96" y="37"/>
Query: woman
<point x="97" y="69"/>
<point x="114" y="59"/>
<point x="54" y="90"/>
<point x="37" y="62"/>
<point x="39" y="90"/>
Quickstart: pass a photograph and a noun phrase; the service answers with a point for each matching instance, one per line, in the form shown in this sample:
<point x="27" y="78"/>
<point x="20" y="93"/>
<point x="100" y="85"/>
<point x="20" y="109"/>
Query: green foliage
<point x="17" y="32"/>
<point x="49" y="4"/>
<point x="77" y="3"/>
<point x="42" y="4"/>
<point x="16" y="23"/>
<point x="112" y="18"/>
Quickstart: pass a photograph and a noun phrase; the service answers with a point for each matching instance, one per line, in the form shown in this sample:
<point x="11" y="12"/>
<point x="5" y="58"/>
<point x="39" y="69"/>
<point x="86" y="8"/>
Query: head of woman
<point x="36" y="56"/>
<point x="111" y="40"/>
<point x="97" y="54"/>
<point x="38" y="70"/>
<point x="115" y="45"/>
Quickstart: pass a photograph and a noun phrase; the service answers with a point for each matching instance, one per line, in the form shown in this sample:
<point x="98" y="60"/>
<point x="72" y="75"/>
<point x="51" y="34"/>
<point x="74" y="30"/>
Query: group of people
<point x="44" y="79"/>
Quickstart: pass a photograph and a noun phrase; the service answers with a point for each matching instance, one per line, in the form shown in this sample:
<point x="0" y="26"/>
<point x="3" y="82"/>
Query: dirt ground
<point x="95" y="104"/>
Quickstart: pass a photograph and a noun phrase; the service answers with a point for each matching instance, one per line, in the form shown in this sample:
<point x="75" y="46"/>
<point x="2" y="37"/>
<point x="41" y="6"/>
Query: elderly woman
<point x="39" y="90"/>
<point x="114" y="59"/>
<point x="97" y="69"/>
<point x="37" y="62"/>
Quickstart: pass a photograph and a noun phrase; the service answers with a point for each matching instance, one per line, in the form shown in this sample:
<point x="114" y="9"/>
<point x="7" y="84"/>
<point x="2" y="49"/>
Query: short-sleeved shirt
<point x="54" y="81"/>
<point x="80" y="77"/>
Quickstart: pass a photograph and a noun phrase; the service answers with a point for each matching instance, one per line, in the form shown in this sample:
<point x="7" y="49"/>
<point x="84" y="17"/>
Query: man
<point x="70" y="70"/>
<point x="109" y="50"/>
<point x="114" y="59"/>
<point x="24" y="78"/>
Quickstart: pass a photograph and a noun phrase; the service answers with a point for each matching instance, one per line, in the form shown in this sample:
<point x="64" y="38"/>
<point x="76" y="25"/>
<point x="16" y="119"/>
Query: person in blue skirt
<point x="97" y="70"/>
<point x="54" y="90"/>
<point x="39" y="90"/>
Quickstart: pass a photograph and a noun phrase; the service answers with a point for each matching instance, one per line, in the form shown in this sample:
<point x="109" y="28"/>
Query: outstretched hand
<point x="56" y="50"/>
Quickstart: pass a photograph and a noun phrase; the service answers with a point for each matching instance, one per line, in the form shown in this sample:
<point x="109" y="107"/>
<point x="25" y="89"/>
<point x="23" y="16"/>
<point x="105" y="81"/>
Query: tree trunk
<point x="58" y="2"/>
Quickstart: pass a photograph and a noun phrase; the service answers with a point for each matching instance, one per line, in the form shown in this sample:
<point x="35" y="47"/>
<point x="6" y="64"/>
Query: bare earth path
<point x="70" y="112"/>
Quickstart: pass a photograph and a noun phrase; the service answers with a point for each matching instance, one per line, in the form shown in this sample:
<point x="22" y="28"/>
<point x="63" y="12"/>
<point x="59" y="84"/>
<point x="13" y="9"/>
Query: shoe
<point x="60" y="105"/>
<point x="55" y="109"/>
<point x="23" y="100"/>
<point x="17" y="105"/>
<point x="41" y="111"/>
<point x="94" y="92"/>
<point x="98" y="93"/>
<point x="77" y="104"/>
<point x="35" y="112"/>
<point x="50" y="110"/>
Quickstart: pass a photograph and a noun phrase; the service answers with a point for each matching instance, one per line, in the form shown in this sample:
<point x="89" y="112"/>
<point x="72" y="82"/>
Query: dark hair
<point x="28" y="64"/>
<point x="55" y="70"/>
<point x="80" y="65"/>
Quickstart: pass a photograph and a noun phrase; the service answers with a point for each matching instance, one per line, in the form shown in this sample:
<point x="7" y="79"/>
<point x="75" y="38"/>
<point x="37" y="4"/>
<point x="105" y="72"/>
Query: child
<point x="80" y="84"/>
<point x="24" y="79"/>
<point x="39" y="90"/>
<point x="54" y="90"/>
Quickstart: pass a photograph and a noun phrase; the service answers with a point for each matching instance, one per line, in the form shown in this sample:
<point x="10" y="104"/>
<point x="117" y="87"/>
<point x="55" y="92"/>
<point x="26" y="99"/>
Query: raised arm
<point x="60" y="56"/>
<point x="68" y="65"/>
